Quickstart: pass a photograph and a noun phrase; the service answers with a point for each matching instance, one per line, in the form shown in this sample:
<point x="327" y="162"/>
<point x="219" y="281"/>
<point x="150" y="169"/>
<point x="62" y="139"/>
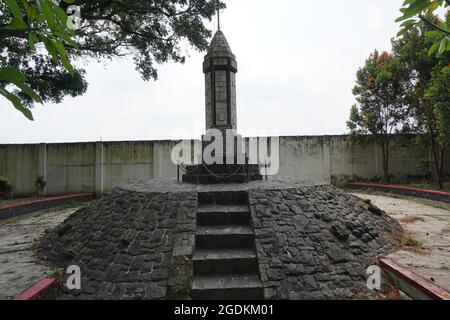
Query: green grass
<point x="410" y="241"/>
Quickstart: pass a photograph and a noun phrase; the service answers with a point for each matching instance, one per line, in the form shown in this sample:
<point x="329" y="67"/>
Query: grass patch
<point x="410" y="241"/>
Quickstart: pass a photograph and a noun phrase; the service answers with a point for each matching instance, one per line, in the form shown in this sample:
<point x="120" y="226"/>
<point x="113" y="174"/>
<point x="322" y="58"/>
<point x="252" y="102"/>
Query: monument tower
<point x="220" y="68"/>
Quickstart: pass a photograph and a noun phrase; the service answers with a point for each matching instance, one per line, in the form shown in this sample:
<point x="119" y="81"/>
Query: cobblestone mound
<point x="312" y="242"/>
<point x="317" y="242"/>
<point x="124" y="244"/>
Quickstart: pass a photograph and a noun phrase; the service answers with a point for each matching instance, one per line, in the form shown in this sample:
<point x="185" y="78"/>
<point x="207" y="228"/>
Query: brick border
<point x="31" y="206"/>
<point x="38" y="290"/>
<point x="419" y="283"/>
<point x="407" y="191"/>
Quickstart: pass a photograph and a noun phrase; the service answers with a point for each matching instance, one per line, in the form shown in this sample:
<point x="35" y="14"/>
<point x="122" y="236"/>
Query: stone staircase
<point x="225" y="262"/>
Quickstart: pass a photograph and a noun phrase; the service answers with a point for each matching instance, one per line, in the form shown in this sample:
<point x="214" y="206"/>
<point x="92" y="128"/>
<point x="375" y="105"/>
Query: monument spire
<point x="218" y="18"/>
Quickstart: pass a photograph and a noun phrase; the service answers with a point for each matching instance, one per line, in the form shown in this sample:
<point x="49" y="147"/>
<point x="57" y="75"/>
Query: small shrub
<point x="424" y="168"/>
<point x="410" y="241"/>
<point x="40" y="183"/>
<point x="5" y="189"/>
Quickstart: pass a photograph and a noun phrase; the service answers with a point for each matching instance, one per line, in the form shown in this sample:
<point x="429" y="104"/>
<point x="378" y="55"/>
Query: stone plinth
<point x="226" y="173"/>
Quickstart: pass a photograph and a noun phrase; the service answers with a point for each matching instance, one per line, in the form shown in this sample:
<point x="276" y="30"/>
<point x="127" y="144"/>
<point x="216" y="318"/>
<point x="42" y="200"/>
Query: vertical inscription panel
<point x="221" y="97"/>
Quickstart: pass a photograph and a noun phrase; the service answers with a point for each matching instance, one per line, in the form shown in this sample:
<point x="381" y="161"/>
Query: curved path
<point x="19" y="266"/>
<point x="426" y="223"/>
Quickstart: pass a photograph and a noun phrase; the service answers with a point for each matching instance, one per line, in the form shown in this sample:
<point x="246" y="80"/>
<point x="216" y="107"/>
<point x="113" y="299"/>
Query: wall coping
<point x="420" y="283"/>
<point x="46" y="200"/>
<point x="38" y="290"/>
<point x="384" y="186"/>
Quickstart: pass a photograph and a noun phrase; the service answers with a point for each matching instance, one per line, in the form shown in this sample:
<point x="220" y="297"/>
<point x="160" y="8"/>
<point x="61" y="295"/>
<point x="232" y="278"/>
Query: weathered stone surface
<point x="128" y="245"/>
<point x="318" y="243"/>
<point x="137" y="242"/>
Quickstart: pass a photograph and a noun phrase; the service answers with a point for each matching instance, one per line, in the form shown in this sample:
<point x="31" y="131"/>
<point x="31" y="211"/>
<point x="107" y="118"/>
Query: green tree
<point x="380" y="92"/>
<point x="438" y="95"/>
<point x="43" y="22"/>
<point x="411" y="48"/>
<point x="151" y="32"/>
<point x="414" y="11"/>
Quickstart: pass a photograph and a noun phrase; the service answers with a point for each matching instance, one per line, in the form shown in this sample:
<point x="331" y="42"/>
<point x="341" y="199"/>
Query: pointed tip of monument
<point x="219" y="43"/>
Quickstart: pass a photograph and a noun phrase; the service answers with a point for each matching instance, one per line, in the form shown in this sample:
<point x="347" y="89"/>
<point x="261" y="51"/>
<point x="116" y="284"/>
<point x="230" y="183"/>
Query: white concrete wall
<point x="99" y="167"/>
<point x="19" y="164"/>
<point x="125" y="162"/>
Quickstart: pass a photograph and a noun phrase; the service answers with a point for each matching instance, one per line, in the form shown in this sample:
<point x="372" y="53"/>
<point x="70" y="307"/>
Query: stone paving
<point x="20" y="268"/>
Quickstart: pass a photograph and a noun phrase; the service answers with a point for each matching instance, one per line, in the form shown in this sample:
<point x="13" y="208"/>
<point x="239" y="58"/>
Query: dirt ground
<point x="19" y="266"/>
<point x="427" y="232"/>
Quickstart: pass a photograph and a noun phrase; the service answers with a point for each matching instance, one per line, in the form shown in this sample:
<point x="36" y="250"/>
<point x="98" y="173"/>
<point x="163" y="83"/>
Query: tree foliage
<point x="151" y="32"/>
<point x="380" y="91"/>
<point x="40" y="22"/>
<point x="415" y="11"/>
<point x="438" y="93"/>
<point x="412" y="50"/>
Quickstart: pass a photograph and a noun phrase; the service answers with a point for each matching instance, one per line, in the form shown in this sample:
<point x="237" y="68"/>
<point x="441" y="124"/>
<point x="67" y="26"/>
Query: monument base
<point x="222" y="173"/>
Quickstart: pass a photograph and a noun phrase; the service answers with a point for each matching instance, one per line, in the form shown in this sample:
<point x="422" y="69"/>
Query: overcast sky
<point x="297" y="64"/>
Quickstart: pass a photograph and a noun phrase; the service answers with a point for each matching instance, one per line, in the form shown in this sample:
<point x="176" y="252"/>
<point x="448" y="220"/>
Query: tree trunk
<point x="440" y="169"/>
<point x="385" y="151"/>
<point x="437" y="151"/>
<point x="437" y="155"/>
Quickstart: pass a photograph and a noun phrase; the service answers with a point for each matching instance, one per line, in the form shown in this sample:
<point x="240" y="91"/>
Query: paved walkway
<point x="19" y="266"/>
<point x="427" y="224"/>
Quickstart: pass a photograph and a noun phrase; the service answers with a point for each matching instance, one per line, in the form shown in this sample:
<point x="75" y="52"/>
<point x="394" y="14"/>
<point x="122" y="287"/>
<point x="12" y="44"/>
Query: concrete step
<point x="225" y="261"/>
<point x="227" y="287"/>
<point x="216" y="179"/>
<point x="223" y="208"/>
<point x="224" y="237"/>
<point x="223" y="215"/>
<point x="237" y="198"/>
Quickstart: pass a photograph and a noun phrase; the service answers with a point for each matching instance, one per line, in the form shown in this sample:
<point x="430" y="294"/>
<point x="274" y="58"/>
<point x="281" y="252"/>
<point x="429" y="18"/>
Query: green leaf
<point x="16" y="103"/>
<point x="66" y="38"/>
<point x="32" y="40"/>
<point x="433" y="48"/>
<point x="63" y="55"/>
<point x="62" y="16"/>
<point x="442" y="46"/>
<point x="26" y="89"/>
<point x="433" y="35"/>
<point x="51" y="49"/>
<point x="48" y="14"/>
<point x="13" y="75"/>
<point x="17" y="13"/>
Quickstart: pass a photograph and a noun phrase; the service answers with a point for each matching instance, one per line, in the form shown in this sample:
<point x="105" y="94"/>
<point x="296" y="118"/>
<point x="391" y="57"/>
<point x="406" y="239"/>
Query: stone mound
<point x="138" y="242"/>
<point x="317" y="242"/>
<point x="123" y="244"/>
